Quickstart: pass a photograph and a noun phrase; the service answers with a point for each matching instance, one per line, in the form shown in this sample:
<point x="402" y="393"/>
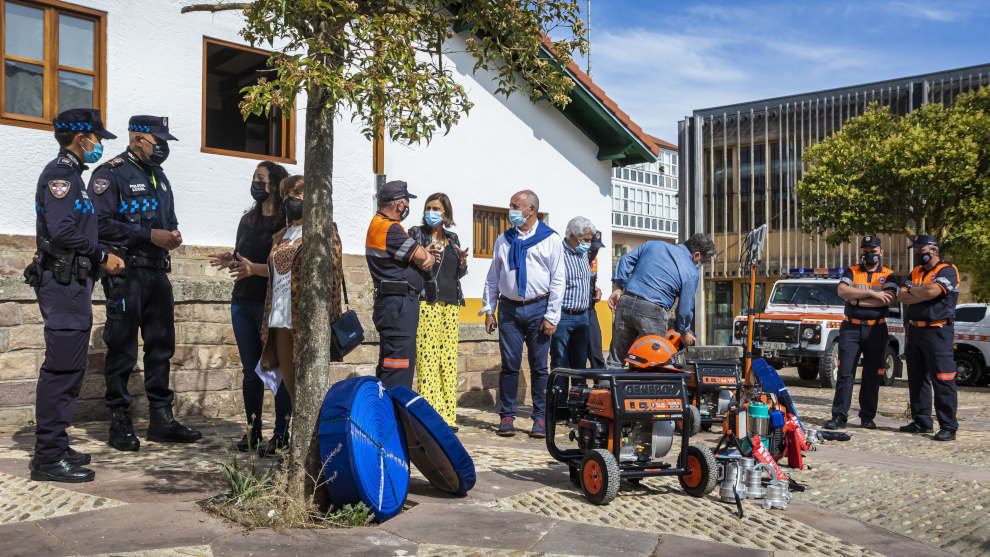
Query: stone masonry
<point x="206" y="368"/>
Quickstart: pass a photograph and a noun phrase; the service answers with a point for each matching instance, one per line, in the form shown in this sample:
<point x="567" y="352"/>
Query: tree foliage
<point x="927" y="172"/>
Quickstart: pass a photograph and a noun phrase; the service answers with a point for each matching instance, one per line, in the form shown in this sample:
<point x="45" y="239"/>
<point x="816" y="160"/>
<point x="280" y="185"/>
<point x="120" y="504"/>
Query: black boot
<point x="249" y="442"/>
<point x="76" y="457"/>
<point x="61" y="471"/>
<point x="838" y="421"/>
<point x="277" y="443"/>
<point x="164" y="429"/>
<point x="122" y="435"/>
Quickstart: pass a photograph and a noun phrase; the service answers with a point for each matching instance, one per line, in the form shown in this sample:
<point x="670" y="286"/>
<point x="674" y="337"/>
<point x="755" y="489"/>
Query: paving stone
<point x="188" y="551"/>
<point x="437" y="550"/>
<point x="25" y="500"/>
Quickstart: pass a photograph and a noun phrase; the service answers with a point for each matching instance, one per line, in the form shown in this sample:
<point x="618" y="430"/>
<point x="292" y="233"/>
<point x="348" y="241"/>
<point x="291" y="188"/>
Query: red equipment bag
<point x="763" y="455"/>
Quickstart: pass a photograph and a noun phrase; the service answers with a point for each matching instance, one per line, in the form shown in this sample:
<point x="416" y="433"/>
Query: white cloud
<point x="926" y="10"/>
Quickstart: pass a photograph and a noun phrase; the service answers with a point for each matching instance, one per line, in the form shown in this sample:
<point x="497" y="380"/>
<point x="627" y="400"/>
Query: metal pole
<point x="737" y="183"/>
<point x="725" y="188"/>
<point x="589" y="39"/>
<point x="786" y="186"/>
<point x="766" y="181"/>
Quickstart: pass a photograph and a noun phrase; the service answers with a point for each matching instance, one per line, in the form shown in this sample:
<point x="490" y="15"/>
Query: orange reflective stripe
<point x="946" y="376"/>
<point x="920" y="276"/>
<point x="395" y="362"/>
<point x="866" y="279"/>
<point x="865" y="321"/>
<point x="378" y="232"/>
<point x="928" y="323"/>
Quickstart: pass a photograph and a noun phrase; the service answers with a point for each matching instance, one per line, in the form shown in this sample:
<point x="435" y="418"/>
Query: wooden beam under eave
<point x="614" y="153"/>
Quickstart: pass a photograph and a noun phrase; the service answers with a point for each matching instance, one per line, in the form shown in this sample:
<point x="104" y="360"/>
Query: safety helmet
<point x="652" y="350"/>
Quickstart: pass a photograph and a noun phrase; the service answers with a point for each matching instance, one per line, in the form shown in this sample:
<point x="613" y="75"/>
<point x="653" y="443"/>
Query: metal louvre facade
<point x="740" y="164"/>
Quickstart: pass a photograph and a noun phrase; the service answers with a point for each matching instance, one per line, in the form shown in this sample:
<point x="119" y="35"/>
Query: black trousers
<point x="142" y="299"/>
<point x="595" y="358"/>
<point x="55" y="404"/>
<point x="396" y="318"/>
<point x="931" y="367"/>
<point x="871" y="342"/>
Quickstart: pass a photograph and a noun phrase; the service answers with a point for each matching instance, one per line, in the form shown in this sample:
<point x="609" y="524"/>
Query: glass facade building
<point x="740" y="166"/>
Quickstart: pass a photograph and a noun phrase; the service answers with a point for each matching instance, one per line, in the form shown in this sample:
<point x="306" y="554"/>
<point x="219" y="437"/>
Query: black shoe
<point x="249" y="443"/>
<point x="273" y="446"/>
<point x="944" y="435"/>
<point x="867" y="424"/>
<point x="913" y="427"/>
<point x="77" y="458"/>
<point x="61" y="471"/>
<point x="164" y="429"/>
<point x="122" y="435"/>
<point x="838" y="421"/>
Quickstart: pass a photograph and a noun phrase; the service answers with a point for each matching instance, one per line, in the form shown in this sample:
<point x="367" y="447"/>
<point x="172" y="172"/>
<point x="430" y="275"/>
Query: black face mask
<point x="159" y="152"/>
<point x="293" y="209"/>
<point x="405" y="213"/>
<point x="922" y="258"/>
<point x="259" y="190"/>
<point x="869" y="259"/>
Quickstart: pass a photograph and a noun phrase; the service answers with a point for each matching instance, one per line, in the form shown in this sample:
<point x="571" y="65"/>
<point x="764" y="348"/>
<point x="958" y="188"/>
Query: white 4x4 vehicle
<point x="972" y="346"/>
<point x="800" y="327"/>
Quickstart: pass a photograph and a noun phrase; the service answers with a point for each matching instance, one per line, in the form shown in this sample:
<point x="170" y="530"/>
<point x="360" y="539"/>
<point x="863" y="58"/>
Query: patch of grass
<point x="258" y="498"/>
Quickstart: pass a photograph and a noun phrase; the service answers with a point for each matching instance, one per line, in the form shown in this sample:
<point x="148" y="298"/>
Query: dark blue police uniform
<point x="133" y="197"/>
<point x="863" y="331"/>
<point x="62" y="274"/>
<point x="930" y="335"/>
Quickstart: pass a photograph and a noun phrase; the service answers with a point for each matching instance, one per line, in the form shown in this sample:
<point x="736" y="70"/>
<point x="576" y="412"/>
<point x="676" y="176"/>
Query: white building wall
<point x="154" y="66"/>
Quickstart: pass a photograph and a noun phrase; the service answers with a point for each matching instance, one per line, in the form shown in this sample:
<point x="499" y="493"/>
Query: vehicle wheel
<point x="692" y="420"/>
<point x="892" y="361"/>
<point x="808" y="370"/>
<point x="828" y="367"/>
<point x="600" y="477"/>
<point x="967" y="369"/>
<point x="701" y="481"/>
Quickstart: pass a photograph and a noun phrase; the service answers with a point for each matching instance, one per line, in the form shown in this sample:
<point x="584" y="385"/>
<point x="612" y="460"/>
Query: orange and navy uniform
<point x="929" y="354"/>
<point x="389" y="250"/>
<point x="857" y="277"/>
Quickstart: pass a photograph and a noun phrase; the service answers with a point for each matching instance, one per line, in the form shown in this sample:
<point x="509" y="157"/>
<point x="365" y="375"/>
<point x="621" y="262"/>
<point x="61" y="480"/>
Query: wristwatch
<point x="104" y="255"/>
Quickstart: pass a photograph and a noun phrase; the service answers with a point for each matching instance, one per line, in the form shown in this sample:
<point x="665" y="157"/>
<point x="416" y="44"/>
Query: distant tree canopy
<point x="927" y="172"/>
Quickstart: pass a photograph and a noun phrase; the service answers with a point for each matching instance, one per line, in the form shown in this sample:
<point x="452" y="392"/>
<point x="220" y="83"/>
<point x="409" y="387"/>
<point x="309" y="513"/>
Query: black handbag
<point x="346" y="332"/>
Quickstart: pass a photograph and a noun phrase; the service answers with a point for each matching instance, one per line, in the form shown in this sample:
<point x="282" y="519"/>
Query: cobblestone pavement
<point x="881" y="492"/>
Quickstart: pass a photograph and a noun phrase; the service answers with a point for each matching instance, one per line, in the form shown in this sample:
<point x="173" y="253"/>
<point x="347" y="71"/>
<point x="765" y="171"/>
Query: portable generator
<point x="623" y="423"/>
<point x="712" y="386"/>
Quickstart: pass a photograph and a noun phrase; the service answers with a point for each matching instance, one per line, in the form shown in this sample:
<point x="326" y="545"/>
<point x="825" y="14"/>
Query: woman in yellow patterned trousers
<point x="440" y="309"/>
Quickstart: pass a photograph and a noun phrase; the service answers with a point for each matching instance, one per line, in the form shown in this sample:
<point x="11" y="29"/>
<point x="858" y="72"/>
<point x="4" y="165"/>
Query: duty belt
<point x="939" y="323"/>
<point x="159" y="263"/>
<point x="880" y="321"/>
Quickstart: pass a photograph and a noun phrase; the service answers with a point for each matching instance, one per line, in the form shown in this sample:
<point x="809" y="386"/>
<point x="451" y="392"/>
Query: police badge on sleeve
<point x="59" y="188"/>
<point x="100" y="185"/>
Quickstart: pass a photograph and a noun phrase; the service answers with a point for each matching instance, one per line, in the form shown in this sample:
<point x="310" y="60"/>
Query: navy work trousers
<point x="246" y="317"/>
<point x="396" y="318"/>
<point x="141" y="299"/>
<point x="518" y="325"/>
<point x="931" y="367"/>
<point x="871" y="341"/>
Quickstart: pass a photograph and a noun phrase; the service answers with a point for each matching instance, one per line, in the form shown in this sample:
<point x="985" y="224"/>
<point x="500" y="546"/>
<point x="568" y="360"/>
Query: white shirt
<point x="545" y="273"/>
<point x="281" y="314"/>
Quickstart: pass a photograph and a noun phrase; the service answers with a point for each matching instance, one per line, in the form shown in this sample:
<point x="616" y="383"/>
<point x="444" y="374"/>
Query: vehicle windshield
<point x="971" y="314"/>
<point x="807" y="294"/>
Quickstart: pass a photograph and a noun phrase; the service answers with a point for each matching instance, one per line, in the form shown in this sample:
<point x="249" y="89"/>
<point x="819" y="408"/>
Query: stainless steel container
<point x="754" y="482"/>
<point x="733" y="481"/>
<point x="777" y="495"/>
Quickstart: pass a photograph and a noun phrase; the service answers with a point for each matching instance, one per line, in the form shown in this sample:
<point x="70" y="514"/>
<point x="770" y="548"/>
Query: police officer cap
<point x="870" y="242"/>
<point x="922" y="240"/>
<point x="155" y="125"/>
<point x="396" y="189"/>
<point x="82" y="120"/>
<point x="596" y="241"/>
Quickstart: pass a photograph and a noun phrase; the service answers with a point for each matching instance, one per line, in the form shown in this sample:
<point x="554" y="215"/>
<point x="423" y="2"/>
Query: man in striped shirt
<point x="569" y="345"/>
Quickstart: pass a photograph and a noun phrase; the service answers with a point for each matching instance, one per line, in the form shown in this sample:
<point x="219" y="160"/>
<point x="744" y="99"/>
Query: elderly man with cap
<point x="393" y="261"/>
<point x="931" y="294"/>
<point x="136" y="212"/>
<point x="69" y="253"/>
<point x="868" y="289"/>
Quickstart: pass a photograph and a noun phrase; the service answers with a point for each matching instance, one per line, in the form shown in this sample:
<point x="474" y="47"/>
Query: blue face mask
<point x="433" y="218"/>
<point x="583" y="247"/>
<point x="516" y="217"/>
<point x="699" y="266"/>
<point x="92" y="156"/>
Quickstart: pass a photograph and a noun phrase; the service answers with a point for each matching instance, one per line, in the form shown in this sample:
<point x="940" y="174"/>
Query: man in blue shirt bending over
<point x="646" y="283"/>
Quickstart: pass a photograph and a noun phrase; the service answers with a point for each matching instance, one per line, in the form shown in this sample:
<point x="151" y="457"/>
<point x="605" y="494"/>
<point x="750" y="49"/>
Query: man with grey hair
<point x="646" y="283"/>
<point x="526" y="282"/>
<point x="569" y="345"/>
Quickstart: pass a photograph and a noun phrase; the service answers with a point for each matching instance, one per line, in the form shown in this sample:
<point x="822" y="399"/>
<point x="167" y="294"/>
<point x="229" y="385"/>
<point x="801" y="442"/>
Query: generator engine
<point x="592" y="416"/>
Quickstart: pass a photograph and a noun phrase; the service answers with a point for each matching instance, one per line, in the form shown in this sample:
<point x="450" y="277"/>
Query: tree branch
<point x="218" y="7"/>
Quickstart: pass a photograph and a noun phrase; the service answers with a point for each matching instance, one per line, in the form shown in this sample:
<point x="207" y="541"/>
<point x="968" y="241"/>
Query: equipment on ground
<point x="623" y="423"/>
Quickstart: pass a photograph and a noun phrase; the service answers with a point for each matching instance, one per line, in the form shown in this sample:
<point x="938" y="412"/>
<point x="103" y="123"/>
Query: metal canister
<point x="733" y="480"/>
<point x="759" y="419"/>
<point x="777" y="495"/>
<point x="754" y="482"/>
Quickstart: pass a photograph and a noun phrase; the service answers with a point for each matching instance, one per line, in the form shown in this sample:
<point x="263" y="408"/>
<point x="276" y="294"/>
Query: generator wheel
<point x="692" y="420"/>
<point x="600" y="477"/>
<point x="702" y="478"/>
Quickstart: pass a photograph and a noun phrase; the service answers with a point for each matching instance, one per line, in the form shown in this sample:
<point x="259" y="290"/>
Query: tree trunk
<point x="312" y="348"/>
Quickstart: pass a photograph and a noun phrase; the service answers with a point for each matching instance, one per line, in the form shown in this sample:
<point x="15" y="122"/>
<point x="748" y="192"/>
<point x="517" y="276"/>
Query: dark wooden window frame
<point x="288" y="120"/>
<point x="485" y="249"/>
<point x="52" y="9"/>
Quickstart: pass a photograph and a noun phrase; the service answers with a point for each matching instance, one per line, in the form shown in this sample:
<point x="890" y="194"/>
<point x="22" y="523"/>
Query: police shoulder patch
<point x="115" y="162"/>
<point x="59" y="188"/>
<point x="100" y="185"/>
<point x="65" y="162"/>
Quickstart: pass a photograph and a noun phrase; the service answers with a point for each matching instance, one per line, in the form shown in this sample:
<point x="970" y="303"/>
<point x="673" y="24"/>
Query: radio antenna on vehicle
<point x="751" y="253"/>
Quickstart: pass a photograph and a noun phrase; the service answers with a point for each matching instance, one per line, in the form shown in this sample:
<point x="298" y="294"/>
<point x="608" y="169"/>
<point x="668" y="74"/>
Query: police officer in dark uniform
<point x="62" y="275"/>
<point x="133" y="199"/>
<point x="392" y="260"/>
<point x="932" y="293"/>
<point x="868" y="289"/>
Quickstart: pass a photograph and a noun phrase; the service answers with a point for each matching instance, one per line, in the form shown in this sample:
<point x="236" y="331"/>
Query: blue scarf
<point x="518" y="249"/>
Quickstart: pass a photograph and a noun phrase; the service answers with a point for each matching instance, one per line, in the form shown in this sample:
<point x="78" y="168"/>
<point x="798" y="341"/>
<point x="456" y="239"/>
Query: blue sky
<point x="660" y="60"/>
